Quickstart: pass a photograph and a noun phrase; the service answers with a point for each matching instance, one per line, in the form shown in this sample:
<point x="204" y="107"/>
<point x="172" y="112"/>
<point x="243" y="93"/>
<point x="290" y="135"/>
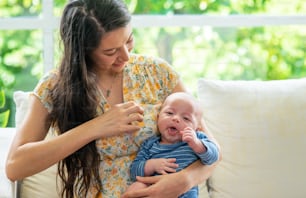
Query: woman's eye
<point x="111" y="52"/>
<point x="129" y="41"/>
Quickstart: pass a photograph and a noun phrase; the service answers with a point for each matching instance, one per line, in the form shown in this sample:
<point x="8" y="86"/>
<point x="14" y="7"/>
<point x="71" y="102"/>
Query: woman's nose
<point x="124" y="54"/>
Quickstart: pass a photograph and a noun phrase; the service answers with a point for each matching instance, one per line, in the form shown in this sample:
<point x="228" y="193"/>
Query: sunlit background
<point x="219" y="39"/>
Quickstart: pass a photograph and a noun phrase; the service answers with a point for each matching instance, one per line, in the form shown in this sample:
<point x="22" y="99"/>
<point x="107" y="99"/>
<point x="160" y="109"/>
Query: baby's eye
<point x="169" y="113"/>
<point x="186" y="118"/>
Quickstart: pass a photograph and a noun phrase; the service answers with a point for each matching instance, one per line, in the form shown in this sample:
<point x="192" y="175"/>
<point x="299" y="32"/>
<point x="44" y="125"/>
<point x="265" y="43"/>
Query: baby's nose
<point x="176" y="118"/>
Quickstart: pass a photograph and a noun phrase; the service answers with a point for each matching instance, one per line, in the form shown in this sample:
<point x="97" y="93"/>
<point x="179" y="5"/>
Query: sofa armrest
<point x="16" y="189"/>
<point x="7" y="188"/>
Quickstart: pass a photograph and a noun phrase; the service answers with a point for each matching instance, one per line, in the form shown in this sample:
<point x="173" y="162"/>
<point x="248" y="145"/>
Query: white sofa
<point x="261" y="127"/>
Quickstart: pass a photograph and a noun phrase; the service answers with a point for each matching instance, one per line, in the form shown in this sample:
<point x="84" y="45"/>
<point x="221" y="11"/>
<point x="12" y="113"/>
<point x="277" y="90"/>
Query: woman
<point x="98" y="101"/>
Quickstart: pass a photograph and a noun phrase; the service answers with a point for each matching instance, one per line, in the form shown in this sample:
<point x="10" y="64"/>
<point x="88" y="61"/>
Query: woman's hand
<point x="119" y="119"/>
<point x="170" y="186"/>
<point x="174" y="184"/>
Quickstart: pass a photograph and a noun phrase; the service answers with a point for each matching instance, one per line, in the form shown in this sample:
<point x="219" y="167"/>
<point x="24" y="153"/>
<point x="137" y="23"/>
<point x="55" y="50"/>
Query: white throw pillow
<point x="22" y="104"/>
<point x="42" y="184"/>
<point x="261" y="127"/>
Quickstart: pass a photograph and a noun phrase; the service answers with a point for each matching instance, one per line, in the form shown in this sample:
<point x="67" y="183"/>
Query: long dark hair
<point x="83" y="24"/>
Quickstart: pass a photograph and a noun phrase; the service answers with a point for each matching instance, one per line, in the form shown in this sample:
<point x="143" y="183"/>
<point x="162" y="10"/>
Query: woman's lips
<point x="119" y="64"/>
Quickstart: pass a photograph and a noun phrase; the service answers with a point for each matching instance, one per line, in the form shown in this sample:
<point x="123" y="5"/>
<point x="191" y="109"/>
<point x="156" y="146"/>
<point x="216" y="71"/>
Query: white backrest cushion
<point x="43" y="184"/>
<point x="261" y="127"/>
<point x="203" y="191"/>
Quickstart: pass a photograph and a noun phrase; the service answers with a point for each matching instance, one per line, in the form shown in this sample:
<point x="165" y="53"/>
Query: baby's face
<point x="174" y="117"/>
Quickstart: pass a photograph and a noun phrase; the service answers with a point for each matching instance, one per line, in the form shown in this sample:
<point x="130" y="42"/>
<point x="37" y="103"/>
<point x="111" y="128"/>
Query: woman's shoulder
<point x="47" y="81"/>
<point x="134" y="57"/>
<point x="150" y="64"/>
<point x="50" y="76"/>
<point x="154" y="76"/>
<point x="44" y="86"/>
<point x="147" y="60"/>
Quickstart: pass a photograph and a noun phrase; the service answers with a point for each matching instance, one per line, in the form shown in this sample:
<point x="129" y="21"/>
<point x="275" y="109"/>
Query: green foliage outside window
<point x="4" y="114"/>
<point x="263" y="53"/>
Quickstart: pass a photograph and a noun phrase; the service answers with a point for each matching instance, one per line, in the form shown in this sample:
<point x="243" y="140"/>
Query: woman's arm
<point x="30" y="153"/>
<point x="174" y="184"/>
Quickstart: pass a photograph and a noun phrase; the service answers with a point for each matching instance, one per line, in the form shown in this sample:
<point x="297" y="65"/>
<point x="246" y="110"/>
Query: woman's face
<point x="113" y="51"/>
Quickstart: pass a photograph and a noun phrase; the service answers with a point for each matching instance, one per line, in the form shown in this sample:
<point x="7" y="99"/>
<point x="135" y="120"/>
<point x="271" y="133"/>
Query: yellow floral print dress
<point x="147" y="81"/>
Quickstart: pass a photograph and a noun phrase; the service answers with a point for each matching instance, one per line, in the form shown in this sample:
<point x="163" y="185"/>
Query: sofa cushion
<point x="44" y="183"/>
<point x="261" y="127"/>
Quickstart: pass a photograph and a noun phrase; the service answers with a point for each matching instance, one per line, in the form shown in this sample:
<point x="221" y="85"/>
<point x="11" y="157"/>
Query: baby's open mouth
<point x="172" y="130"/>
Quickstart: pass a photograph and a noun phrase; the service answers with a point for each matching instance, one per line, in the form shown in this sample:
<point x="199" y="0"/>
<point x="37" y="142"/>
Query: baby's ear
<point x="201" y="126"/>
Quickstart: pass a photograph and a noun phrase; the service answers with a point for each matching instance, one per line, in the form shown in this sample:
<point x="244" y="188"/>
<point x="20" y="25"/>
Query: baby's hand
<point x="162" y="166"/>
<point x="190" y="137"/>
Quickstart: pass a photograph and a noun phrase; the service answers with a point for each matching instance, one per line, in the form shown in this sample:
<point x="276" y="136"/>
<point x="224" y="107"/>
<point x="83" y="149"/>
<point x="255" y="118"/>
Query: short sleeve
<point x="44" y="87"/>
<point x="169" y="78"/>
<point x="149" y="79"/>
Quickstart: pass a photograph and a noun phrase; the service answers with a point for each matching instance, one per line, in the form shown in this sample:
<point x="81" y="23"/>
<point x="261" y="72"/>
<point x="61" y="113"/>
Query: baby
<point x="179" y="144"/>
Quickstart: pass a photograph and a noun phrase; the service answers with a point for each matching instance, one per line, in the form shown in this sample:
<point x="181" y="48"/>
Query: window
<point x="214" y="39"/>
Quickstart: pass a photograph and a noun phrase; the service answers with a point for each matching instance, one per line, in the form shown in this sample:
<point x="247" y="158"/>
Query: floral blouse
<point x="147" y="81"/>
